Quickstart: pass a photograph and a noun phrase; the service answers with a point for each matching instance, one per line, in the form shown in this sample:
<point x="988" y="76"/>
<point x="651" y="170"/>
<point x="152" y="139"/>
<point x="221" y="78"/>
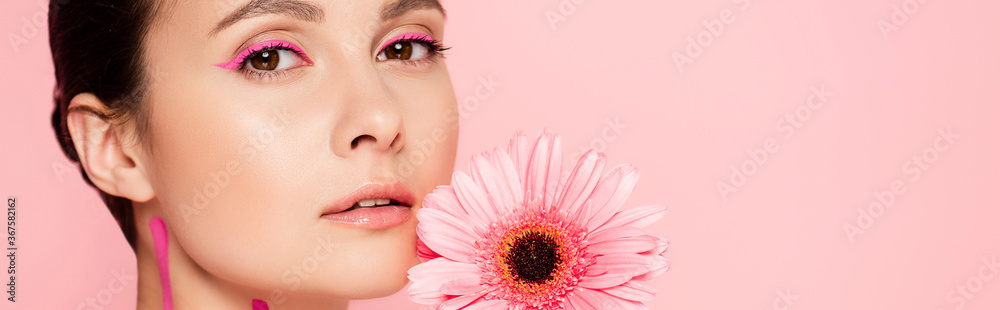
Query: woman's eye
<point x="268" y="57"/>
<point x="404" y="50"/>
<point x="273" y="59"/>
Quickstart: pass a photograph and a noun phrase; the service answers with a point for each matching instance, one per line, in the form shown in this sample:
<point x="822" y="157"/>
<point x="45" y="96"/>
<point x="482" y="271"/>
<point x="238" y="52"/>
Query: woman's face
<point x="267" y="119"/>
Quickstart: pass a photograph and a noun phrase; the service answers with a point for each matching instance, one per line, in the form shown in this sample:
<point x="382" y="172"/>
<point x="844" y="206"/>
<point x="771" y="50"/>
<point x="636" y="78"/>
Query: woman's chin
<point x="377" y="270"/>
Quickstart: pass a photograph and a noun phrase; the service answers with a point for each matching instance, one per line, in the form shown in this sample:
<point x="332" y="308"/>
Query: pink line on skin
<point x="409" y="35"/>
<point x="160" y="244"/>
<point x="236" y="62"/>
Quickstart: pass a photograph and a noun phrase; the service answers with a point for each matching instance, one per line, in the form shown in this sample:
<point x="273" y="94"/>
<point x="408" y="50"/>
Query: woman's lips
<point x="373" y="217"/>
<point x="348" y="210"/>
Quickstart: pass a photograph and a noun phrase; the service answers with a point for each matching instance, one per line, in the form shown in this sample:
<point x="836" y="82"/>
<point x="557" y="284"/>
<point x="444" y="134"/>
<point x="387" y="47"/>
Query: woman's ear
<point x="113" y="167"/>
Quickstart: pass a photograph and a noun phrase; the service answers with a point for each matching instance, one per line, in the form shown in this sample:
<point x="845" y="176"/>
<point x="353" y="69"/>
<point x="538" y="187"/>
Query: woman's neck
<point x="192" y="287"/>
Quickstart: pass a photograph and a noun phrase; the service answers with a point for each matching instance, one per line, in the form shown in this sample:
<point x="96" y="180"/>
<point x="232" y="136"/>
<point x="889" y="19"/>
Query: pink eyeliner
<point x="407" y="36"/>
<point x="235" y="63"/>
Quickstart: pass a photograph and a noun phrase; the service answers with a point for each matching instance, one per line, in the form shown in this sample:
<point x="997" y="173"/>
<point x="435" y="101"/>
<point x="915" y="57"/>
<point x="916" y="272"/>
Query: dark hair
<point x="97" y="47"/>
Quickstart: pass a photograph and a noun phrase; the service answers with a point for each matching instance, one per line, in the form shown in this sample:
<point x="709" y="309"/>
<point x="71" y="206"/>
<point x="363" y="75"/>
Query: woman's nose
<point x="373" y="124"/>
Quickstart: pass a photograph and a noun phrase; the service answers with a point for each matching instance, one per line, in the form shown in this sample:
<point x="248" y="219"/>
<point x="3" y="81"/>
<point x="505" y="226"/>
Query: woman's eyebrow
<point x="395" y="9"/>
<point x="312" y="13"/>
<point x="294" y="8"/>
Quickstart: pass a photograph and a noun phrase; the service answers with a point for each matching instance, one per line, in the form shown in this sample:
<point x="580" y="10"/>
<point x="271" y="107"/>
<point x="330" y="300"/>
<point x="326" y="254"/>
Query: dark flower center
<point x="533" y="257"/>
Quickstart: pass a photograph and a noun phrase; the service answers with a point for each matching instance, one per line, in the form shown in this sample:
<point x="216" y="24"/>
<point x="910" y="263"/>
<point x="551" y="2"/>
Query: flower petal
<point x="628" y="245"/>
<point x="568" y="305"/>
<point x="659" y="265"/>
<point x="439" y="221"/>
<point x="602" y="300"/>
<point x="596" y="299"/>
<point x="581" y="181"/>
<point x="582" y="213"/>
<point x="661" y="246"/>
<point x="629" y="305"/>
<point x="488" y="179"/>
<point x="429" y="276"/>
<point x="472" y="198"/>
<point x="575" y="302"/>
<point x="615" y="233"/>
<point x="506" y="168"/>
<point x="458" y="302"/>
<point x="424" y="252"/>
<point x="639" y="217"/>
<point x="520" y="153"/>
<point x="463" y="284"/>
<point x="605" y="280"/>
<point x="611" y="193"/>
<point x="456" y="249"/>
<point x="495" y="304"/>
<point x="633" y="290"/>
<point x="440" y="268"/>
<point x="630" y="264"/>
<point x="444" y="198"/>
<point x="596" y="270"/>
<point x="544" y="168"/>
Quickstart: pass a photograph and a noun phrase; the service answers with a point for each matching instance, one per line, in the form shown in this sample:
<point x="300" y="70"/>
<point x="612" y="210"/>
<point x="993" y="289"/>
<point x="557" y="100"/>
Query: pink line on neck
<point x="259" y="305"/>
<point x="160" y="244"/>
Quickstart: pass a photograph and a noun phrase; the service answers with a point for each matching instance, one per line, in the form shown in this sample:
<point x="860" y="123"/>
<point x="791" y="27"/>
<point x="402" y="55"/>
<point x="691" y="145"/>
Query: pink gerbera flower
<point x="517" y="234"/>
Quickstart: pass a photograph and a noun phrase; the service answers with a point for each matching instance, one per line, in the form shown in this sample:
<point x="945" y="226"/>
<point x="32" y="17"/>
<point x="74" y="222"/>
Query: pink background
<point x="783" y="228"/>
